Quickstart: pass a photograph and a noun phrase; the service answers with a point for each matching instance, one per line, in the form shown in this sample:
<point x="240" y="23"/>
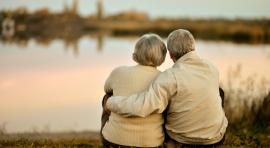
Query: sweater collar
<point x="146" y="67"/>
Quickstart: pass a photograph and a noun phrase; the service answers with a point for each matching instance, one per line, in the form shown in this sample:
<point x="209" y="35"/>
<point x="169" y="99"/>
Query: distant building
<point x="73" y="9"/>
<point x="65" y="5"/>
<point x="99" y="9"/>
<point x="8" y="27"/>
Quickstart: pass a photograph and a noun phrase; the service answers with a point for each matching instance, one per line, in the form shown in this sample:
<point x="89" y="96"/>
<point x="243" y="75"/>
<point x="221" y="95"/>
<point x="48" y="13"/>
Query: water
<point x="59" y="86"/>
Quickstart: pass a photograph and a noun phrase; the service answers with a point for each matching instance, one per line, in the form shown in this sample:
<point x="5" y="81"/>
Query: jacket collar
<point x="187" y="57"/>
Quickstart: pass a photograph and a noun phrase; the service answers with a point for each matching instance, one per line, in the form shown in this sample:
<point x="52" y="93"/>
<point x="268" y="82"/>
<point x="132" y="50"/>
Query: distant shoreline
<point x="44" y="25"/>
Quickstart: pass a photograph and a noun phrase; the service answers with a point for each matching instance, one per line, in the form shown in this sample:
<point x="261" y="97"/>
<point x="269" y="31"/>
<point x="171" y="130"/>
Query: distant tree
<point x="42" y="12"/>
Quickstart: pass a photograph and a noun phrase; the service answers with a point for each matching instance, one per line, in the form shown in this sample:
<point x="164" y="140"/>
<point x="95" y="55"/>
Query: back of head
<point x="150" y="50"/>
<point x="180" y="42"/>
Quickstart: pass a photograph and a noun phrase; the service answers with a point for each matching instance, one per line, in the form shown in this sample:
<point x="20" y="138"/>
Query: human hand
<point x="106" y="112"/>
<point x="104" y="102"/>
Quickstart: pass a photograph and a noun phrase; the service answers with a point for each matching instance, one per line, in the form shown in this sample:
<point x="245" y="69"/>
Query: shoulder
<point x="115" y="74"/>
<point x="212" y="66"/>
<point x="166" y="76"/>
<point x="120" y="69"/>
<point x="120" y="72"/>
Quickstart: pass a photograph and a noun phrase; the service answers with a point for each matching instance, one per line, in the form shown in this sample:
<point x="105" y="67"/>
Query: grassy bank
<point x="65" y="139"/>
<point x="250" y="127"/>
<point x="91" y="139"/>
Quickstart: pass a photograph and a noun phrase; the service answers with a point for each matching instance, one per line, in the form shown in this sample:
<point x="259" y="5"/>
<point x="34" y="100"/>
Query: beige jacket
<point x="134" y="131"/>
<point x="190" y="89"/>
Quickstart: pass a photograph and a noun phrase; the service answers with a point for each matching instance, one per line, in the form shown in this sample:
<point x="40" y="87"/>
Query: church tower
<point x="74" y="9"/>
<point x="99" y="9"/>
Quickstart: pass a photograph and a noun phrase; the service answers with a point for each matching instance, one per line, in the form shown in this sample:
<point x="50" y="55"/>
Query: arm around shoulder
<point x="154" y="100"/>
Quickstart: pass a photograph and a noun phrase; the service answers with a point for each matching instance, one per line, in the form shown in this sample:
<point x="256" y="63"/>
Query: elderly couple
<point x="180" y="107"/>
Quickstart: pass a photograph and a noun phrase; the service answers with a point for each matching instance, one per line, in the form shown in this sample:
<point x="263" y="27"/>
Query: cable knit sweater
<point x="133" y="131"/>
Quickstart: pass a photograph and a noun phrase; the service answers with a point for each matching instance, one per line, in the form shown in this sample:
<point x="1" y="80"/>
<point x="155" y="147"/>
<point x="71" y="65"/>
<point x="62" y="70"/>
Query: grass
<point x="247" y="107"/>
<point x="50" y="143"/>
<point x="66" y="139"/>
<point x="91" y="139"/>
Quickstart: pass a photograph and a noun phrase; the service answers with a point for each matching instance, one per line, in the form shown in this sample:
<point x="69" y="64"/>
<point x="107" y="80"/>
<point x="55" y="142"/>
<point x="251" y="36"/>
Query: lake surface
<point x="59" y="86"/>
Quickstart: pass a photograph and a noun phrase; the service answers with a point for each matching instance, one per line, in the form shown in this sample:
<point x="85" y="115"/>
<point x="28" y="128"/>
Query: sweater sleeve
<point x="154" y="99"/>
<point x="108" y="87"/>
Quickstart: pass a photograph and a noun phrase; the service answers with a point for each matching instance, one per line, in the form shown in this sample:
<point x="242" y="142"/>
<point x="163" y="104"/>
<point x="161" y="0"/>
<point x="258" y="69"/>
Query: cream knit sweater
<point x="133" y="131"/>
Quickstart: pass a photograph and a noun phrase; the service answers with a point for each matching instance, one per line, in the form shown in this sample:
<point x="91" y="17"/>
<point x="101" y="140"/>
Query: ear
<point x="171" y="56"/>
<point x="134" y="56"/>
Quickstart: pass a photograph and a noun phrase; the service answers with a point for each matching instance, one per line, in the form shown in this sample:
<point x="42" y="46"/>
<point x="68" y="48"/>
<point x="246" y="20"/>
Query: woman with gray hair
<point x="118" y="131"/>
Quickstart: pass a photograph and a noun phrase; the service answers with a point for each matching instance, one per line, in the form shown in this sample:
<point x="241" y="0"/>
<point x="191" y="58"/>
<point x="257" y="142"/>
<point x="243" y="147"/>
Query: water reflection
<point x="58" y="84"/>
<point x="70" y="43"/>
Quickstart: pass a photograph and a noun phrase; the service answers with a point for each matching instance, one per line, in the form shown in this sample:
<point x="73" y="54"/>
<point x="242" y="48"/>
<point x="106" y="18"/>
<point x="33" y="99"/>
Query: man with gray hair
<point x="188" y="91"/>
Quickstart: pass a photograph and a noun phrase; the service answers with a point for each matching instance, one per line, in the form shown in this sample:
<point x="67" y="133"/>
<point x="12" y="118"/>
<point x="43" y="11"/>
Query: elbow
<point x="142" y="114"/>
<point x="109" y="91"/>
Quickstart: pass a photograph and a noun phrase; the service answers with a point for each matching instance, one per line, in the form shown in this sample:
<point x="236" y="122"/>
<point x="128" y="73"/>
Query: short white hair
<point x="180" y="42"/>
<point x="150" y="50"/>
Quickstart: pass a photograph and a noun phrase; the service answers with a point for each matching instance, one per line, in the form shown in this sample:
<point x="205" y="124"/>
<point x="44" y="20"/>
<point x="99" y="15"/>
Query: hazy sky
<point x="157" y="8"/>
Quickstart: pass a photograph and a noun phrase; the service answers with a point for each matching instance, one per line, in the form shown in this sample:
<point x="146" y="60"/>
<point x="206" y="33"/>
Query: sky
<point x="158" y="8"/>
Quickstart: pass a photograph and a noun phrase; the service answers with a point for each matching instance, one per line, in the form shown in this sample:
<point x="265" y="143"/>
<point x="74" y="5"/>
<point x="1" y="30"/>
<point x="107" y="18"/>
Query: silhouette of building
<point x="65" y="6"/>
<point x="73" y="9"/>
<point x="8" y="27"/>
<point x="99" y="9"/>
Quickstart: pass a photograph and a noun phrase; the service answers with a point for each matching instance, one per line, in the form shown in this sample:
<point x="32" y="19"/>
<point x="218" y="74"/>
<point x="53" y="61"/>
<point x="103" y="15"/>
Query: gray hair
<point x="150" y="50"/>
<point x="180" y="42"/>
